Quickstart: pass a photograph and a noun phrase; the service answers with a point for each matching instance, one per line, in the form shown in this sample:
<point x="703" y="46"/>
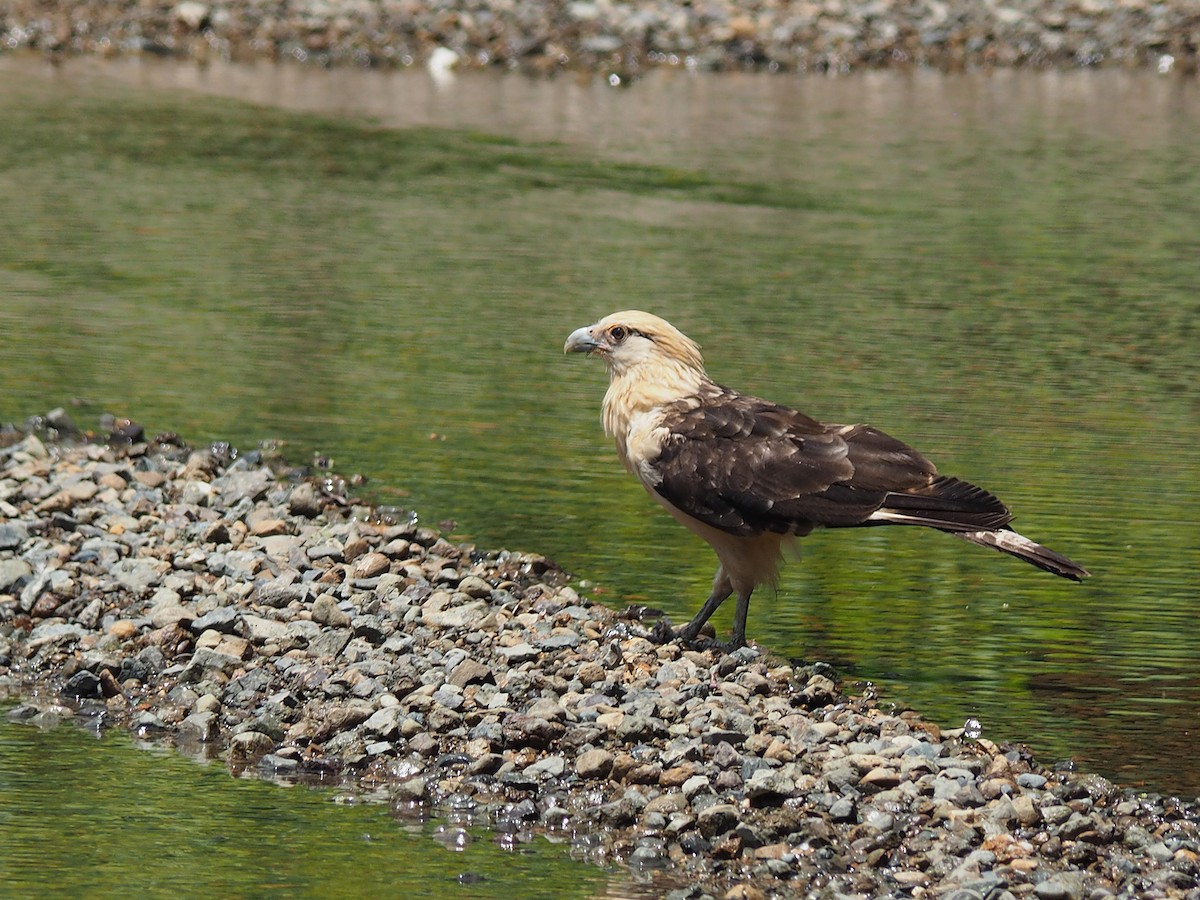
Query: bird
<point x="748" y="475"/>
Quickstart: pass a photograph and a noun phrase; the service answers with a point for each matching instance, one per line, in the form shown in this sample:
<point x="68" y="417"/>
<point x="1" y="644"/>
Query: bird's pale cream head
<point x="632" y="338"/>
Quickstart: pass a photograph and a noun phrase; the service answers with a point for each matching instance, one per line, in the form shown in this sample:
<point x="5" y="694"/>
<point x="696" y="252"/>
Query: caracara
<point x="746" y="474"/>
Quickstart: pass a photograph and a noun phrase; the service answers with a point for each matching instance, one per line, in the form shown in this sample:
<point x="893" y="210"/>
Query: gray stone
<point x="13" y="535"/>
<point x="547" y="767"/>
<point x="278" y="765"/>
<point x="202" y="726"/>
<point x="171" y="614"/>
<point x="205" y="658"/>
<point x="53" y="633"/>
<point x="558" y="642"/>
<point x="385" y="722"/>
<point x="325" y="550"/>
<point x="136" y="575"/>
<point x="325" y="611"/>
<point x="259" y="630"/>
<point x="545" y="708"/>
<point x="843" y="810"/>
<point x="638" y="727"/>
<point x="304" y="501"/>
<point x="456" y="616"/>
<point x="1056" y="814"/>
<point x="769" y="786"/>
<point x="280" y="593"/>
<point x="13" y="573"/>
<point x="1061" y="886"/>
<point x="519" y="653"/>
<point x="233" y="487"/>
<point x="329" y="642"/>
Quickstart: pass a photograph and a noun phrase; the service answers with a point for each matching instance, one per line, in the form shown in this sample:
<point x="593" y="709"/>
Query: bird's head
<point x="629" y="340"/>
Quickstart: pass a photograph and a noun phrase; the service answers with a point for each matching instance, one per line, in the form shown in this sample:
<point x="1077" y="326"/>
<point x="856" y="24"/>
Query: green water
<point x="88" y="817"/>
<point x="1002" y="271"/>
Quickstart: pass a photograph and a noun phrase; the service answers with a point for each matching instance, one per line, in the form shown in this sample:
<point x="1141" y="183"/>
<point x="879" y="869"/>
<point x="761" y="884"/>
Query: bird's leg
<point x="720" y="592"/>
<point x="739" y="620"/>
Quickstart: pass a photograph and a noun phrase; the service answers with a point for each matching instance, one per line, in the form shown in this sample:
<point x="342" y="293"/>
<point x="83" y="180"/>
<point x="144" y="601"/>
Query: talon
<point x="662" y="632"/>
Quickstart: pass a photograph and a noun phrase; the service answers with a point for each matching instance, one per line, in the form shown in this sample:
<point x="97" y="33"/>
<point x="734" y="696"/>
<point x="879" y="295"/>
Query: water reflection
<point x="748" y="121"/>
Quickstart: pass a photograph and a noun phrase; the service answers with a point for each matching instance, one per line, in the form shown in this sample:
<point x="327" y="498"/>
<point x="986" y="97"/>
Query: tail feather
<point x="945" y="503"/>
<point x="1008" y="541"/>
<point x="973" y="514"/>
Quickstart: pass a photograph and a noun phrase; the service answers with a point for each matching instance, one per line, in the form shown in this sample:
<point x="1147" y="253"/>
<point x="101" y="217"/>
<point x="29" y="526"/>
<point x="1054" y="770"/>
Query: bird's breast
<point x="640" y="443"/>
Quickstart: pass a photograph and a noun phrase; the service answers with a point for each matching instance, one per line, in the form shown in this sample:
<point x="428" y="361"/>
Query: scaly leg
<point x="739" y="620"/>
<point x="720" y="592"/>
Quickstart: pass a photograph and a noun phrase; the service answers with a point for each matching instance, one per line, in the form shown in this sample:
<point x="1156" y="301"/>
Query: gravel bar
<point x="202" y="596"/>
<point x="624" y="38"/>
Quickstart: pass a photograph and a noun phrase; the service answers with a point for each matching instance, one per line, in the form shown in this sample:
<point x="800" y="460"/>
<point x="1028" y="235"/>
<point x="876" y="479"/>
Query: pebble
<point x="618" y="40"/>
<point x="334" y="638"/>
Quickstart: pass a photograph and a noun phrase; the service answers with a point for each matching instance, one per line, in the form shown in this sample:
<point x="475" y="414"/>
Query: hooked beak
<point x="581" y="341"/>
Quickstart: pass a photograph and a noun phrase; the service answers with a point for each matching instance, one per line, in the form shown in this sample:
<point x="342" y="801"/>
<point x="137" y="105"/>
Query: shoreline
<point x="623" y="39"/>
<point x="206" y="596"/>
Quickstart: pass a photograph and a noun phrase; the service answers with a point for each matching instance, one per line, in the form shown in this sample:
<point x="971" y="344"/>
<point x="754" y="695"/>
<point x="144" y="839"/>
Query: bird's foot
<point x="662" y="632"/>
<point x="702" y="638"/>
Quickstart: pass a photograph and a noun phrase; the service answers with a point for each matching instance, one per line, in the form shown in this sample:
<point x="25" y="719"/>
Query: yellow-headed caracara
<point x="746" y="474"/>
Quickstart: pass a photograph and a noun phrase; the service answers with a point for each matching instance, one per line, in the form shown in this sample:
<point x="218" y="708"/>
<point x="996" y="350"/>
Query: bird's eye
<point x="618" y="333"/>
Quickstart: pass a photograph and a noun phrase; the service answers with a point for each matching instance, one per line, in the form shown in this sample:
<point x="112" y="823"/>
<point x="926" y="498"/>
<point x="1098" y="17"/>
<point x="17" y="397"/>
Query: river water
<point x="1002" y="269"/>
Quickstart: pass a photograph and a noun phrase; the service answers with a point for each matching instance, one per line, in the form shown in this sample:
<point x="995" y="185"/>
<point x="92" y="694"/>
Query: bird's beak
<point x="581" y="341"/>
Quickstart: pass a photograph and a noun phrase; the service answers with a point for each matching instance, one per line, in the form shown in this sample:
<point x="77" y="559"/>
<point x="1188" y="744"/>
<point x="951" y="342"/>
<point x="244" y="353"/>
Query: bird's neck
<point x="644" y="389"/>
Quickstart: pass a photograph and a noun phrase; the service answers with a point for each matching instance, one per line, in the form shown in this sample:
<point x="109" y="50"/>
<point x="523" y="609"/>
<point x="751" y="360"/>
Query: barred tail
<point x="1008" y="541"/>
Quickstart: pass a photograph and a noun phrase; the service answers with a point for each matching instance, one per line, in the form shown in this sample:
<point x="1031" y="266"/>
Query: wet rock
<point x="82" y="684"/>
<point x="339" y="719"/>
<point x="201" y="726"/>
<point x="1061" y="886"/>
<point x="250" y="745"/>
<point x="717" y="819"/>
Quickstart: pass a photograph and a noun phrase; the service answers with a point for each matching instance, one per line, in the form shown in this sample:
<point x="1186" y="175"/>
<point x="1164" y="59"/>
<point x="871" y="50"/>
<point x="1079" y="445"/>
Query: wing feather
<point x="747" y="466"/>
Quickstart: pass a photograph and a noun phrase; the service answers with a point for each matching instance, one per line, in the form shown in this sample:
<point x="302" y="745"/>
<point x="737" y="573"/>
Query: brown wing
<point x="746" y="466"/>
